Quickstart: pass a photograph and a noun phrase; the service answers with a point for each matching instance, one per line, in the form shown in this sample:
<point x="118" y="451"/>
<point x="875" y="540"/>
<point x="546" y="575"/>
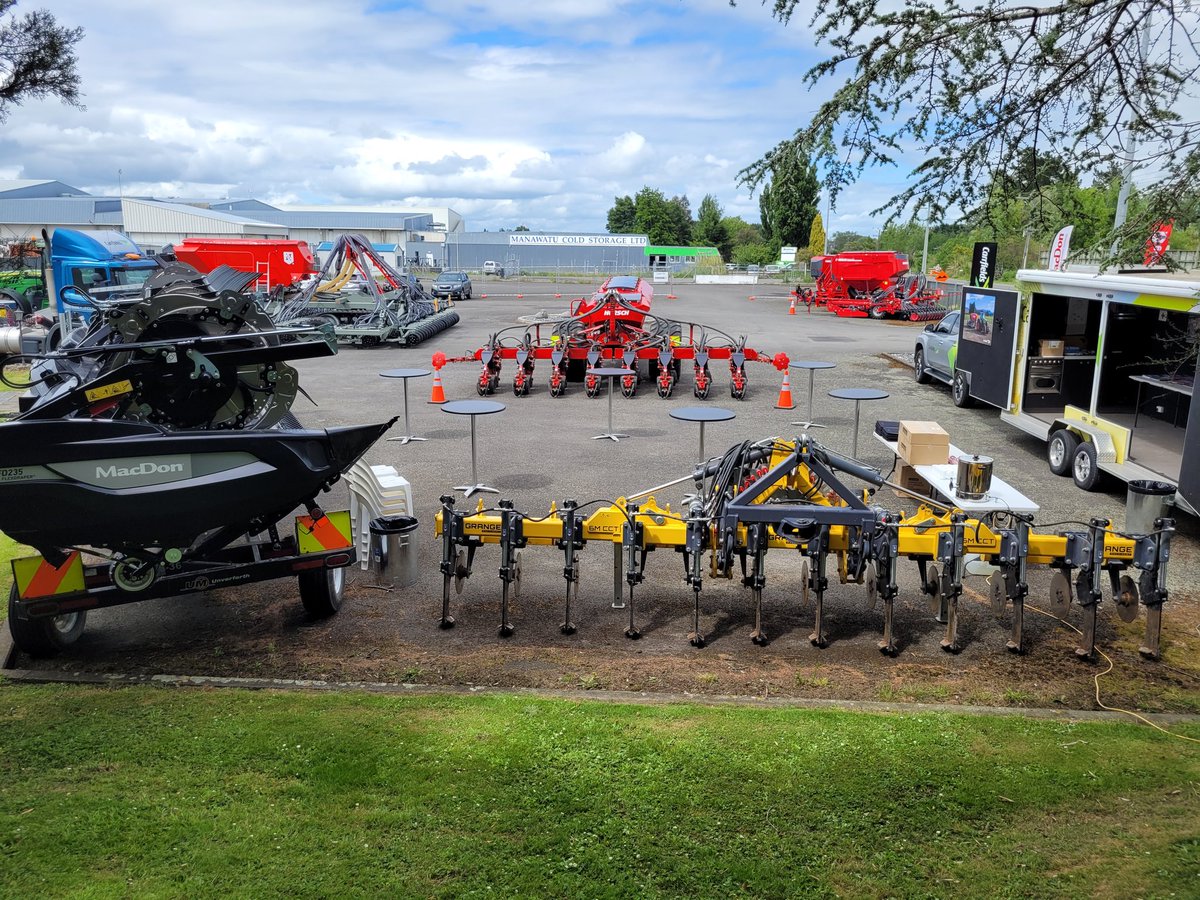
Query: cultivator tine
<point x="694" y="566"/>
<point x="950" y="554"/>
<point x="512" y="538"/>
<point x="756" y="537"/>
<point x="818" y="584"/>
<point x="1087" y="587"/>
<point x="1153" y="587"/>
<point x="631" y="543"/>
<point x="1014" y="548"/>
<point x="887" y="561"/>
<point x="450" y="524"/>
<point x="571" y="541"/>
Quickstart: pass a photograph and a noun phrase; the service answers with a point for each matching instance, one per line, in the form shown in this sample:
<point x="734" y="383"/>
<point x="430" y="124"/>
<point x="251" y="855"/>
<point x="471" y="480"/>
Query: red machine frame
<point x="615" y="326"/>
<point x="872" y="284"/>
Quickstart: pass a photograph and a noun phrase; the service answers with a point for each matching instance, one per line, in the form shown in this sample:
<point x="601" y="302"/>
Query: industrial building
<point x="433" y="237"/>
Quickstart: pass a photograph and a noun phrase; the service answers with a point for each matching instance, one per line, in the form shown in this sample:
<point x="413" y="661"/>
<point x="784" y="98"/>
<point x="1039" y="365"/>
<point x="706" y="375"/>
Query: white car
<point x="491" y="267"/>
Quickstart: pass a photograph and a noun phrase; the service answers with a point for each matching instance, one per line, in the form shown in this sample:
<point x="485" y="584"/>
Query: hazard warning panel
<point x="330" y="532"/>
<point x="35" y="577"/>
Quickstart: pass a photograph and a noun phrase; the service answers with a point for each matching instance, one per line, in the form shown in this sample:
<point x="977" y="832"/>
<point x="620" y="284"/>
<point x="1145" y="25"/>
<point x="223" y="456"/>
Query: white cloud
<point x="513" y="113"/>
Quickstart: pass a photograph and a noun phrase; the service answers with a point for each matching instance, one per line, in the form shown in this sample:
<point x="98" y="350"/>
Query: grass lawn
<point x="159" y="792"/>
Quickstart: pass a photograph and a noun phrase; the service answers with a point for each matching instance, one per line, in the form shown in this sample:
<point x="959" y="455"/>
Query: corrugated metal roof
<point x="156" y="217"/>
<point x="15" y="188"/>
<point x="326" y="246"/>
<point x="341" y="220"/>
<point x="51" y="211"/>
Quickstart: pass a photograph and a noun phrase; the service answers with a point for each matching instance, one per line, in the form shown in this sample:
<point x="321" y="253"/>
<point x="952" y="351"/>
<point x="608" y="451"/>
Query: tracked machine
<point x="790" y="498"/>
<point x="615" y="327"/>
<point x="155" y="455"/>
<point x="365" y="299"/>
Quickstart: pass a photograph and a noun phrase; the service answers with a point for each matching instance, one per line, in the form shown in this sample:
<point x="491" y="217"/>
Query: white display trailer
<point x="1101" y="367"/>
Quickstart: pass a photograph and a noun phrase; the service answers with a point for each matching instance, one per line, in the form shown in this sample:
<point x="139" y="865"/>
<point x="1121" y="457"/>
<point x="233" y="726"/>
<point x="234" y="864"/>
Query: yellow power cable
<point x="1096" y="678"/>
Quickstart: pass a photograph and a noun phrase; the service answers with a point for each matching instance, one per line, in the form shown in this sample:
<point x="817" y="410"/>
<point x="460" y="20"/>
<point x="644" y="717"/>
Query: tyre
<point x="877" y="312"/>
<point x="322" y="591"/>
<point x="919" y="373"/>
<point x="1060" y="452"/>
<point x="45" y="636"/>
<point x="1085" y="466"/>
<point x="960" y="391"/>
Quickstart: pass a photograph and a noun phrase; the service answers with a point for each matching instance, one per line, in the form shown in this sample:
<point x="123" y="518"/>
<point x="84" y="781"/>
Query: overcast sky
<point x="513" y="112"/>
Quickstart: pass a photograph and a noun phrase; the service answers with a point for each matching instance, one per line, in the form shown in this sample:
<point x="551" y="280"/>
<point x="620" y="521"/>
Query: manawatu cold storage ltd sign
<point x="578" y="240"/>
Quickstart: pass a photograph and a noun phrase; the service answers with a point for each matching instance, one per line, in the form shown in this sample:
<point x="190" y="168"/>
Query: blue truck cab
<point x="91" y="267"/>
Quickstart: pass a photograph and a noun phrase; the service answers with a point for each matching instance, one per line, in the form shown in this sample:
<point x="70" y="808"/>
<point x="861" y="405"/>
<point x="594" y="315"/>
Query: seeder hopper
<point x="872" y="284"/>
<point x="614" y="327"/>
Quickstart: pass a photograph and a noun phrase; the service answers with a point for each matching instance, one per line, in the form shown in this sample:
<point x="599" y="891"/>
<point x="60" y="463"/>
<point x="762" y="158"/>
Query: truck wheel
<point x="960" y="391"/>
<point x="322" y="591"/>
<point x="1060" y="452"/>
<point x="45" y="636"/>
<point x="919" y="372"/>
<point x="1085" y="466"/>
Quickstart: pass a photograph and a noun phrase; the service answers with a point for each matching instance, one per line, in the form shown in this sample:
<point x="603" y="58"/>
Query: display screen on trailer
<point x="987" y="342"/>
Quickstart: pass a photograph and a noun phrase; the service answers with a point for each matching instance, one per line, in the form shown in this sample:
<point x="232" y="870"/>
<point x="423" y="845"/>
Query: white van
<point x="491" y="267"/>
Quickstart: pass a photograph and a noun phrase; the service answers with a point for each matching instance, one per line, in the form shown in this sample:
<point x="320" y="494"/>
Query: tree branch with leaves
<point x="976" y="89"/>
<point x="37" y="58"/>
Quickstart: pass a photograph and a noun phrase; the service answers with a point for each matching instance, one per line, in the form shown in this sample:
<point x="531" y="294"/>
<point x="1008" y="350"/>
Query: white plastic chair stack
<point x="375" y="491"/>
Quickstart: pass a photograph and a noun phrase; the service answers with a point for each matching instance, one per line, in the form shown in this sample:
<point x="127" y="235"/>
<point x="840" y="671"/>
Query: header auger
<point x="615" y="327"/>
<point x="790" y="496"/>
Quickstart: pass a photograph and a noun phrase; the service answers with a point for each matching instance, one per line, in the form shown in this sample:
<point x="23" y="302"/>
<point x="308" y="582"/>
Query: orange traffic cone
<point x="785" y="392"/>
<point x="438" y="395"/>
<point x="792" y="307"/>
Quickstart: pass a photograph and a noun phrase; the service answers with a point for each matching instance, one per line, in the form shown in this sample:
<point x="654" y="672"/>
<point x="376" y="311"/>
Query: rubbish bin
<point x="1145" y="502"/>
<point x="394" y="550"/>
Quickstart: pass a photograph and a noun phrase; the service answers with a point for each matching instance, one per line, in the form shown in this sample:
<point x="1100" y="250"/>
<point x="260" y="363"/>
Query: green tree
<point x="622" y="217"/>
<point x="849" y="241"/>
<point x="663" y="221"/>
<point x="710" y="230"/>
<point x="521" y="228"/>
<point x="788" y="200"/>
<point x="37" y="58"/>
<point x="975" y="87"/>
<point x="816" y="237"/>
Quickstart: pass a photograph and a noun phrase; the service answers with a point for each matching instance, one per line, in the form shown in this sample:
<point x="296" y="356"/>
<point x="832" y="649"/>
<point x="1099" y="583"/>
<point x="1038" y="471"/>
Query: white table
<point x="1001" y="497"/>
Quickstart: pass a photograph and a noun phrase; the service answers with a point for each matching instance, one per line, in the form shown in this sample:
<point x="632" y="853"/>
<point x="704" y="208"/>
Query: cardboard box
<point x="1050" y="348"/>
<point x="906" y="477"/>
<point x="923" y="443"/>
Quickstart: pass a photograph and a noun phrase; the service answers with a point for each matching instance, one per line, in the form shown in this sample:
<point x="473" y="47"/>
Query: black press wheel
<point x="44" y="636"/>
<point x="1060" y="451"/>
<point x="322" y="591"/>
<point x="1085" y="466"/>
<point x="960" y="391"/>
<point x="919" y="372"/>
<point x="877" y="312"/>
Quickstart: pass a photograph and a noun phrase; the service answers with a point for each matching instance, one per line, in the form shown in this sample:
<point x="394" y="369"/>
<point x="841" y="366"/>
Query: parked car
<point x="455" y="285"/>
<point x="491" y="267"/>
<point x="935" y="356"/>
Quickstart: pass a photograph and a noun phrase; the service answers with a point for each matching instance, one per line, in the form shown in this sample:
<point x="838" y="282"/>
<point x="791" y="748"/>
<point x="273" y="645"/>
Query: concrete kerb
<point x="34" y="676"/>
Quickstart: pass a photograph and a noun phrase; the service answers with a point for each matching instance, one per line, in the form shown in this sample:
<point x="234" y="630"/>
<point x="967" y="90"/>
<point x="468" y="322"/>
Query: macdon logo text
<point x="146" y="468"/>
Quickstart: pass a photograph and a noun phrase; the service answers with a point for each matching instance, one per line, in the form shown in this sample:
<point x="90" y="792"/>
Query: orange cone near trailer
<point x="438" y="395"/>
<point x="792" y="307"/>
<point x="785" y="392"/>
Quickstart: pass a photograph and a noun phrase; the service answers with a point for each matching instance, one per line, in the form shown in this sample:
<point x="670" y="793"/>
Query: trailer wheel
<point x="1085" y="466"/>
<point x="877" y="312"/>
<point x="44" y="636"/>
<point x="1060" y="452"/>
<point x="322" y="591"/>
<point x="919" y="372"/>
<point x="960" y="391"/>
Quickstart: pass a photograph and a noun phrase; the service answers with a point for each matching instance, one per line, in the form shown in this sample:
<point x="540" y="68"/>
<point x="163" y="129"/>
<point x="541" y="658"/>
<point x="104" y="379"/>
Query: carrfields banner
<point x="1158" y="243"/>
<point x="1060" y="248"/>
<point x="983" y="264"/>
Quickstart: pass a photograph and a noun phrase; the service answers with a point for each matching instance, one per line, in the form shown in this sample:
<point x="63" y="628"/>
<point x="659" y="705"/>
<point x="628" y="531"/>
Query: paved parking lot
<point x="540" y="450"/>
